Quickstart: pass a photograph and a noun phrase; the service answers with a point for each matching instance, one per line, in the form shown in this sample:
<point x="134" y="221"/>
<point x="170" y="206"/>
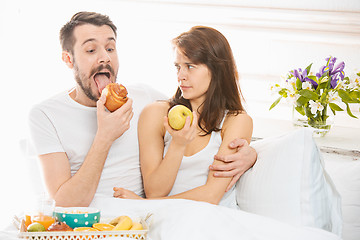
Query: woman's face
<point x="193" y="79"/>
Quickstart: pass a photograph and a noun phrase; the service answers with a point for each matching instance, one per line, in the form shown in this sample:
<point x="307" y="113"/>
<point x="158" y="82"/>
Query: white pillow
<point x="345" y="171"/>
<point x="288" y="183"/>
<point x="30" y="160"/>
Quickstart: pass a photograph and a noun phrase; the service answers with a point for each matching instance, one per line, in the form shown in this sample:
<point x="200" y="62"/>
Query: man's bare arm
<point x="77" y="190"/>
<point x="237" y="163"/>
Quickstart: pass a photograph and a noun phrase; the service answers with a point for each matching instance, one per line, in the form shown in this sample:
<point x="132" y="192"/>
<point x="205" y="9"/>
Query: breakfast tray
<point x="131" y="234"/>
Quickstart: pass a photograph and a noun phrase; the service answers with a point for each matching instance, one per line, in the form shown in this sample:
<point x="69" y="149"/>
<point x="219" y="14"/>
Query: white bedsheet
<point x="185" y="219"/>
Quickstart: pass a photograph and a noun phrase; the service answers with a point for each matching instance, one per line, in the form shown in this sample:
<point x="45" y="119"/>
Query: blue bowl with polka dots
<point x="77" y="216"/>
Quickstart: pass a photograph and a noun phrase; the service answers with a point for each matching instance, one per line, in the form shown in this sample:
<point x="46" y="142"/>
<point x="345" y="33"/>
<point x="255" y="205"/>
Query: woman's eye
<point x="91" y="50"/>
<point x="110" y="49"/>
<point x="190" y="66"/>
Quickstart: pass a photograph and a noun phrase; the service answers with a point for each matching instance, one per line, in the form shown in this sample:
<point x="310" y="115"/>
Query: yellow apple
<point x="177" y="116"/>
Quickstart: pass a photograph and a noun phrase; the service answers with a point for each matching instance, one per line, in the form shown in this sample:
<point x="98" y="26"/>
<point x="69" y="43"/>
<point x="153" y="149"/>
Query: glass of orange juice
<point x="43" y="210"/>
<point x="44" y="220"/>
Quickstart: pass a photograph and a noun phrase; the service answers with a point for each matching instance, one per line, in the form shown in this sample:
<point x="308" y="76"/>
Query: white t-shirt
<point x="193" y="171"/>
<point x="60" y="124"/>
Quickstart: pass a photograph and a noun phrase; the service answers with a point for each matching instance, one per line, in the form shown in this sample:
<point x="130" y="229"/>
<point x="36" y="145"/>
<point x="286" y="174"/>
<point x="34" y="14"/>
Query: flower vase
<point x="320" y="122"/>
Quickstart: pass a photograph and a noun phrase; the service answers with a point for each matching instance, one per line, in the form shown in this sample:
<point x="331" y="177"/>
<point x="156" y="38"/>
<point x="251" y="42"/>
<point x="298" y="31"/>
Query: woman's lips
<point x="184" y="87"/>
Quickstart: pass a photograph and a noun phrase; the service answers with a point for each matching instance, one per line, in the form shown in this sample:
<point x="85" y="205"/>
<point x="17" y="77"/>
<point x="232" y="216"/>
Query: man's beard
<point x="81" y="78"/>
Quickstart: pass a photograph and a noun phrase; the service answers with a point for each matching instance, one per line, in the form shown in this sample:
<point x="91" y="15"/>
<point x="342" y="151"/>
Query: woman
<point x="174" y="164"/>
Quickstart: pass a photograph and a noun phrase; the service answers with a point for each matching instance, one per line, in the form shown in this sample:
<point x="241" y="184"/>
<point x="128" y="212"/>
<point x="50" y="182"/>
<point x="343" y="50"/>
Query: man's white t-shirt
<point x="60" y="124"/>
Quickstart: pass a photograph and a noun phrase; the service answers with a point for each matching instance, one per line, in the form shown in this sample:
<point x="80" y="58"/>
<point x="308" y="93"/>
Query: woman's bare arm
<point x="159" y="172"/>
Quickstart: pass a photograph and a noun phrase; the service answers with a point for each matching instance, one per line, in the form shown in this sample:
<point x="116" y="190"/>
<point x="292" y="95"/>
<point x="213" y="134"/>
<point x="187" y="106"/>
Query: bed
<point x="288" y="194"/>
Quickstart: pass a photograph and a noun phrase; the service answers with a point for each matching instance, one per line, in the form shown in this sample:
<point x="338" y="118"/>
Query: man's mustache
<point x="102" y="67"/>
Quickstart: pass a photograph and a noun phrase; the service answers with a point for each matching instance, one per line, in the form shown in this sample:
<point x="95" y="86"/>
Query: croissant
<point x="59" y="226"/>
<point x="116" y="96"/>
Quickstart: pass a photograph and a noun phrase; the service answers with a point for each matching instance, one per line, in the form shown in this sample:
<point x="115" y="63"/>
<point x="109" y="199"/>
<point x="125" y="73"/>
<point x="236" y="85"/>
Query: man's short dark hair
<point x="67" y="39"/>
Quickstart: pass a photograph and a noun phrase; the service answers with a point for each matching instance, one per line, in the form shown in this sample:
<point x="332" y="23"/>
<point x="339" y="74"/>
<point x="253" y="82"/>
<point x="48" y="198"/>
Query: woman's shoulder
<point x="239" y="118"/>
<point x="238" y="124"/>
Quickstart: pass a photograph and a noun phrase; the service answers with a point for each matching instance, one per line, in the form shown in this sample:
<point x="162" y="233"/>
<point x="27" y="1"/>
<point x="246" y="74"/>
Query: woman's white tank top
<point x="194" y="170"/>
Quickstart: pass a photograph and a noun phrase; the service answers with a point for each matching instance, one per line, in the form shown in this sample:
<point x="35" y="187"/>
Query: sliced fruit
<point x="27" y="220"/>
<point x="103" y="226"/>
<point x="36" y="227"/>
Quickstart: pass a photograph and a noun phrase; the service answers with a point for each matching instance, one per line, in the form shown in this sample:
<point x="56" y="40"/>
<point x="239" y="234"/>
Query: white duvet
<point x="184" y="219"/>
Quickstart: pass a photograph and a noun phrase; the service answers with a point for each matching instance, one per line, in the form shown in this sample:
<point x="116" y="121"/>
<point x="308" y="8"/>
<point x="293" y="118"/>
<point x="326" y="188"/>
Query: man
<point x="84" y="150"/>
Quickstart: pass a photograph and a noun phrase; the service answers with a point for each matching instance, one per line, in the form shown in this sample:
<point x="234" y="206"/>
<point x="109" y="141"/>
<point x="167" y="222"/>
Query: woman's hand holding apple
<point x="186" y="134"/>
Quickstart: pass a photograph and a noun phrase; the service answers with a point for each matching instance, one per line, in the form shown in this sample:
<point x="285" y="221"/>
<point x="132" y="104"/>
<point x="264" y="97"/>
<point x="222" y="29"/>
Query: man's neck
<point x="81" y="98"/>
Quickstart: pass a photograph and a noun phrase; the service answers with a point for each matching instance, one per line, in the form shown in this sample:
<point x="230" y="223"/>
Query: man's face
<point x="95" y="60"/>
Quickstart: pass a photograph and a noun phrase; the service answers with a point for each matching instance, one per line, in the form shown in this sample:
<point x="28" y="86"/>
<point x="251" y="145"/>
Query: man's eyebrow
<point x="88" y="40"/>
<point x="93" y="39"/>
<point x="111" y="39"/>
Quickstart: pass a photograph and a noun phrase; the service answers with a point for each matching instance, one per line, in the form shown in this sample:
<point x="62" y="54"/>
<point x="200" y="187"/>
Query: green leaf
<point x="275" y="103"/>
<point x="333" y="111"/>
<point x="283" y="92"/>
<point x="300" y="110"/>
<point x="308" y="112"/>
<point x="308" y="68"/>
<point x="349" y="111"/>
<point x="301" y="101"/>
<point x="358" y="74"/>
<point x="298" y="84"/>
<point x="355" y="94"/>
<point x="313" y="78"/>
<point x="309" y="94"/>
<point x="335" y="107"/>
<point x="345" y="96"/>
<point x="322" y="85"/>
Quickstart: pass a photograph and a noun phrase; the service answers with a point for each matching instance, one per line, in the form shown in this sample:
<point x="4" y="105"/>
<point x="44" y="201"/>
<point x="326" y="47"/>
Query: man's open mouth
<point x="107" y="74"/>
<point x="102" y="79"/>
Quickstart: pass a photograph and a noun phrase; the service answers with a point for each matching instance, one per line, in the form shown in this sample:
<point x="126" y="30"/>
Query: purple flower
<point x="302" y="76"/>
<point x="334" y="72"/>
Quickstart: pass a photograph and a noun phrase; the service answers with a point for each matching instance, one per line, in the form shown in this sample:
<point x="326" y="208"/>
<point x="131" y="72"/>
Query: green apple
<point x="177" y="116"/>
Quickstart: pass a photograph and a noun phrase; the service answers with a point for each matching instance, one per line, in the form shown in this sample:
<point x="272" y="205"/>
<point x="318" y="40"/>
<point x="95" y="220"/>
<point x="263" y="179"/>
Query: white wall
<point x="268" y="39"/>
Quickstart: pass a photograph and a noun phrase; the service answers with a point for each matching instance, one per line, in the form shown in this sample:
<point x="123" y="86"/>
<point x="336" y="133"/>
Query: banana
<point x="136" y="226"/>
<point x="115" y="221"/>
<point x="124" y="223"/>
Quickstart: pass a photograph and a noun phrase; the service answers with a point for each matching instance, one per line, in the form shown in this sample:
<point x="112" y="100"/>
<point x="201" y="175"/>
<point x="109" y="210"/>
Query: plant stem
<point x="324" y="112"/>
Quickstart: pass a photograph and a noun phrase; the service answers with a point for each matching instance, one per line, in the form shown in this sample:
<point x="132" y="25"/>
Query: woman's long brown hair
<point x="205" y="45"/>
